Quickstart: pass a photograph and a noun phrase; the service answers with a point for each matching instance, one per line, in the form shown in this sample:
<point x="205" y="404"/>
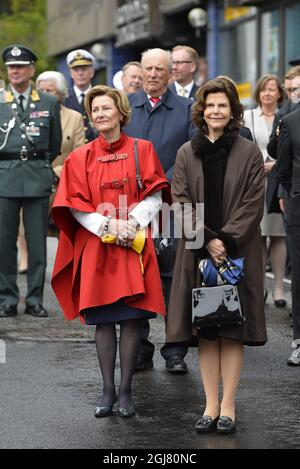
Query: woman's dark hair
<point x="218" y="85"/>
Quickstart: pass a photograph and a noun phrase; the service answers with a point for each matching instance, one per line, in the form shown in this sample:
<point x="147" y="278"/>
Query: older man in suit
<point x="288" y="172"/>
<point x="164" y="118"/>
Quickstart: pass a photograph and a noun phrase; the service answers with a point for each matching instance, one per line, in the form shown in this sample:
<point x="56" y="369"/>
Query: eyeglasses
<point x="292" y="90"/>
<point x="179" y="62"/>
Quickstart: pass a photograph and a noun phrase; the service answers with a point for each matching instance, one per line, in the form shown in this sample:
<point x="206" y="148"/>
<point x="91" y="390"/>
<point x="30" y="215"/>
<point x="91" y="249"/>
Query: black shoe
<point x="126" y="411"/>
<point x="104" y="411"/>
<point x="280" y="303"/>
<point x="143" y="363"/>
<point x="206" y="424"/>
<point x="8" y="311"/>
<point x="22" y="271"/>
<point x="37" y="311"/>
<point x="226" y="425"/>
<point x="176" y="365"/>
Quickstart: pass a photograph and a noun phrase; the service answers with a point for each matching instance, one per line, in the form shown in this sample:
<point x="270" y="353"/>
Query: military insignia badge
<point x="78" y="56"/>
<point x="16" y="52"/>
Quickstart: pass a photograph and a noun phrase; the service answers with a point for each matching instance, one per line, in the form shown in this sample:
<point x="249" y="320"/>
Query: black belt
<point x="25" y="155"/>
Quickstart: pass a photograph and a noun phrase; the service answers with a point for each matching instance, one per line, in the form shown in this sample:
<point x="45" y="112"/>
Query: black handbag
<point x="216" y="306"/>
<point x="165" y="253"/>
<point x="272" y="200"/>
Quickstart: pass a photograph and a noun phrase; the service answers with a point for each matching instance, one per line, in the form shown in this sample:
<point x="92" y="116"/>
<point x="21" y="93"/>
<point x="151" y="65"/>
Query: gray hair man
<point x="132" y="77"/>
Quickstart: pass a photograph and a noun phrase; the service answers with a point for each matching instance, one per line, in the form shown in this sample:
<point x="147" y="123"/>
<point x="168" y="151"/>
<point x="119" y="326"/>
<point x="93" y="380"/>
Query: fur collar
<point x="204" y="148"/>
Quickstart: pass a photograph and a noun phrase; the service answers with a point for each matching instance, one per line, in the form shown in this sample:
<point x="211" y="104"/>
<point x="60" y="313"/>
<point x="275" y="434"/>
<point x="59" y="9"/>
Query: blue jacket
<point x="168" y="125"/>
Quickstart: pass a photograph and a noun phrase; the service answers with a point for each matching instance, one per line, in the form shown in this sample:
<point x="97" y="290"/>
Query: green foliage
<point x="27" y="25"/>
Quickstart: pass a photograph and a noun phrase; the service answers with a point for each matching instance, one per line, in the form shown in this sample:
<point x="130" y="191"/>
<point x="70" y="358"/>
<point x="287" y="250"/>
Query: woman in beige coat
<point x="72" y="124"/>
<point x="225" y="172"/>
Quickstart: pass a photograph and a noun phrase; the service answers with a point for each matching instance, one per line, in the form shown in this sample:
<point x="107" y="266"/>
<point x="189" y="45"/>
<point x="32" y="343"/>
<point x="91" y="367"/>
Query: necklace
<point x="268" y="114"/>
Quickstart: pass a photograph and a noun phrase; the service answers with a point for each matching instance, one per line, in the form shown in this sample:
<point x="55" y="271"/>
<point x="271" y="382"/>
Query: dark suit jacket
<point x="192" y="93"/>
<point x="32" y="178"/>
<point x="168" y="125"/>
<point x="285" y="109"/>
<point x="288" y="163"/>
<point x="246" y="133"/>
<point x="72" y="103"/>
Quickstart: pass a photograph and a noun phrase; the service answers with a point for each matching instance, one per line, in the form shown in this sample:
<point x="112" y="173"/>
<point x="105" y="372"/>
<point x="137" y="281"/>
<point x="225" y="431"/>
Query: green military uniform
<point x="29" y="140"/>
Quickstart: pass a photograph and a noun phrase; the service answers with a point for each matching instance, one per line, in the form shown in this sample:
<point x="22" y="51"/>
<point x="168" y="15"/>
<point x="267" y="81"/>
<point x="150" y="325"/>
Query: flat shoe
<point x="22" y="271"/>
<point x="281" y="303"/>
<point x="226" y="425"/>
<point x="104" y="411"/>
<point x="206" y="424"/>
<point x="126" y="411"/>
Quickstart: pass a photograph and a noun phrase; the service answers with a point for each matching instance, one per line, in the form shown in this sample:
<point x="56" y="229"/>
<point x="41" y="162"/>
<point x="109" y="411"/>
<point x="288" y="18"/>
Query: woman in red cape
<point x="106" y="270"/>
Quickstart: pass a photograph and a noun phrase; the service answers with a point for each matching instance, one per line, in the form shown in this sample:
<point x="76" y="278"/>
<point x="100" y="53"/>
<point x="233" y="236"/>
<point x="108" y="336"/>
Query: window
<point x="237" y="57"/>
<point x="292" y="34"/>
<point x="270" y="42"/>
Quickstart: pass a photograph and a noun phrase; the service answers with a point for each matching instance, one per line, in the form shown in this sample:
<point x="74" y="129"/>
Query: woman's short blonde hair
<point x="118" y="96"/>
<point x="261" y="83"/>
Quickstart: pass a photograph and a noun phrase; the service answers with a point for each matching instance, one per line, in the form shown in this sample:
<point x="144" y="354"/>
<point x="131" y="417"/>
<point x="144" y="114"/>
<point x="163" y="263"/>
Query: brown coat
<point x="243" y="200"/>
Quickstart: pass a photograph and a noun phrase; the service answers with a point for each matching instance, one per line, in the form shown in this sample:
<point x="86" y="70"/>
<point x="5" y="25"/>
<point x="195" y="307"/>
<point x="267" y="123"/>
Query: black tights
<point x="106" y="343"/>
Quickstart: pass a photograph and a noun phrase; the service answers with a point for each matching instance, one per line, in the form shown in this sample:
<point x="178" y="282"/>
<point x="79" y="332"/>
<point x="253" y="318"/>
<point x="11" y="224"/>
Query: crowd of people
<point x="169" y="136"/>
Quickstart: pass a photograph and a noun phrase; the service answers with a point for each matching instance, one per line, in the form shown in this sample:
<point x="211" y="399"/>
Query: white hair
<point x="59" y="80"/>
<point x="156" y="51"/>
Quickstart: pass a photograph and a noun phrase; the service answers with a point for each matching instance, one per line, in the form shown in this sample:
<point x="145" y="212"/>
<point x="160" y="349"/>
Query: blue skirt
<point x="114" y="312"/>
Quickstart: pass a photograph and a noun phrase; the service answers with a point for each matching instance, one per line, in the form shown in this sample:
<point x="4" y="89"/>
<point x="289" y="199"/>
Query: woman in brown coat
<point x="225" y="172"/>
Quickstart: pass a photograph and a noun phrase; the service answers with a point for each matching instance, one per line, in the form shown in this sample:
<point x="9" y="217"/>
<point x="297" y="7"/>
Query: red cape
<point x="88" y="272"/>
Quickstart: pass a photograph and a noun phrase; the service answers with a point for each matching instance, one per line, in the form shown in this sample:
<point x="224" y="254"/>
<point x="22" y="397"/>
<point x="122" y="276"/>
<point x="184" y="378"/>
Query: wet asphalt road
<point x="51" y="381"/>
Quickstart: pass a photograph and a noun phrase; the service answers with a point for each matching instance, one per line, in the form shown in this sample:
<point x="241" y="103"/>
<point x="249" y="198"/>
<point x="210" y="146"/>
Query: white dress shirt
<point x="79" y="92"/>
<point x="188" y="88"/>
<point x="143" y="213"/>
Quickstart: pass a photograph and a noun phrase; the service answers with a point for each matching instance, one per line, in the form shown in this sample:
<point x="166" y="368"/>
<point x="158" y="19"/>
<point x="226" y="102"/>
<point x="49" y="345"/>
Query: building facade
<point x="256" y="37"/>
<point x="241" y="38"/>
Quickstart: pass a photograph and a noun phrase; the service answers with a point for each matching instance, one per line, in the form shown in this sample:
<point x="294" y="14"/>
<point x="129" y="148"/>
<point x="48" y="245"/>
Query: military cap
<point x="80" y="57"/>
<point x="295" y="61"/>
<point x="18" y="55"/>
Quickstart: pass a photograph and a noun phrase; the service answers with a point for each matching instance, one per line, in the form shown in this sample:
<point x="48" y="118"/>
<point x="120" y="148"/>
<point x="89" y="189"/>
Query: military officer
<point x="30" y="138"/>
<point x="81" y="66"/>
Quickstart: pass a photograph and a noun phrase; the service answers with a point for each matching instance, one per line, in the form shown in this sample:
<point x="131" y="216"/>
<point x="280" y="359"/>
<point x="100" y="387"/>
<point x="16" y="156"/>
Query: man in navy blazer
<point x="184" y="66"/>
<point x="164" y="118"/>
<point x="81" y="66"/>
<point x="288" y="173"/>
